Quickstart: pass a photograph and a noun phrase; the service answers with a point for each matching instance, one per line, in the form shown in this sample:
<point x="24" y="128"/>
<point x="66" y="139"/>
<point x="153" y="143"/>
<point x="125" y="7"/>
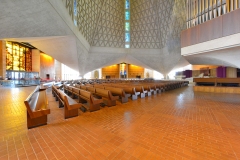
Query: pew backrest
<point x="83" y="87"/>
<point x="91" y="89"/>
<point x="117" y="91"/>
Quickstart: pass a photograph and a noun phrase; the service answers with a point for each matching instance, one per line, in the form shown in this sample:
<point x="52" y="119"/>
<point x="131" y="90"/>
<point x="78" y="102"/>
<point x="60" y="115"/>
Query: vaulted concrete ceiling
<point x="98" y="39"/>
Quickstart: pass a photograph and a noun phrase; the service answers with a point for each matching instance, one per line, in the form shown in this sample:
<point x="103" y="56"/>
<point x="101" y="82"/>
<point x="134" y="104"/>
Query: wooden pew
<point x="148" y="89"/>
<point x="99" y="86"/>
<point x="129" y="90"/>
<point x="93" y="104"/>
<point x="161" y="86"/>
<point x="83" y="87"/>
<point x="119" y="92"/>
<point x="70" y="105"/>
<point x="67" y="89"/>
<point x="141" y="90"/>
<point x="54" y="90"/>
<point x="106" y="95"/>
<point x="155" y="88"/>
<point x="77" y="86"/>
<point x="91" y="89"/>
<point x="37" y="108"/>
<point x="75" y="92"/>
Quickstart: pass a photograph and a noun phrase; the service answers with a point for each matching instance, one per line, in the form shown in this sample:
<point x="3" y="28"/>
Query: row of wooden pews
<point x="91" y="95"/>
<point x="111" y="92"/>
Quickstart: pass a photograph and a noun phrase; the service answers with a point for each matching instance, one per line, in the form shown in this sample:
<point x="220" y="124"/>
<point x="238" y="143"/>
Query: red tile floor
<point x="177" y="124"/>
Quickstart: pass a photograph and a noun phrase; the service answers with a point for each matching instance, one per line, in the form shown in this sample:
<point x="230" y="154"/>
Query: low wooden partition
<point x="217" y="85"/>
<point x="217" y="81"/>
<point x="216" y="89"/>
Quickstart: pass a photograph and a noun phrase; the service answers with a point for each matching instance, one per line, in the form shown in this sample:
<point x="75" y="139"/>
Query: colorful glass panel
<point x="127" y="15"/>
<point x="127" y="26"/>
<point x="127" y="37"/>
<point x="127" y="4"/>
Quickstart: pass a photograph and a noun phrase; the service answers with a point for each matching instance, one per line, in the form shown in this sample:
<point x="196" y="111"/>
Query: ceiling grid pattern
<point x="100" y="21"/>
<point x="144" y="26"/>
<point x="150" y="22"/>
<point x="69" y="6"/>
<point x="110" y="29"/>
<point x="87" y="17"/>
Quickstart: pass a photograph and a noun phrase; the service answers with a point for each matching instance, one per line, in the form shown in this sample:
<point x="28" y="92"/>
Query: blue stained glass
<point x="127" y="46"/>
<point x="127" y="15"/>
<point x="127" y="4"/>
<point x="127" y="37"/>
<point x="75" y="7"/>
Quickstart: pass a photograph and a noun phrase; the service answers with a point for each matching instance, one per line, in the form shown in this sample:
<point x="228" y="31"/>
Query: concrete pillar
<point x="166" y="76"/>
<point x="58" y="70"/>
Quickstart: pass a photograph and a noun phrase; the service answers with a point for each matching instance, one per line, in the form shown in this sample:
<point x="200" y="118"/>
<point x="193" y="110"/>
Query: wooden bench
<point x="54" y="90"/>
<point x="106" y="95"/>
<point x="93" y="104"/>
<point x="91" y="89"/>
<point x="99" y="86"/>
<point x="83" y="87"/>
<point x="148" y="89"/>
<point x="141" y="90"/>
<point x="70" y="105"/>
<point x="75" y="92"/>
<point x="119" y="92"/>
<point x="66" y="88"/>
<point x="37" y="108"/>
<point x="154" y="88"/>
<point x="129" y="90"/>
<point x="77" y="86"/>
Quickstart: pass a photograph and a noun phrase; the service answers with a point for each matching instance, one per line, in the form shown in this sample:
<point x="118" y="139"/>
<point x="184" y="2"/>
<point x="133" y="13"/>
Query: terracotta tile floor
<point x="177" y="124"/>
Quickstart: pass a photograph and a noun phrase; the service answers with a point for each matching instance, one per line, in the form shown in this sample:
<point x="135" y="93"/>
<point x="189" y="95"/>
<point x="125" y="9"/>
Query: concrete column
<point x="58" y="70"/>
<point x="3" y="59"/>
<point x="166" y="76"/>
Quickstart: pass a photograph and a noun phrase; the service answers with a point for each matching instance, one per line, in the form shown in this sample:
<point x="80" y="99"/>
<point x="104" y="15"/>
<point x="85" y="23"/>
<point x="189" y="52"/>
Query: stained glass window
<point x="75" y="7"/>
<point x="127" y="23"/>
<point x="127" y="15"/>
<point x="19" y="58"/>
<point x="127" y="26"/>
<point x="75" y="12"/>
<point x="127" y="4"/>
<point x="127" y="37"/>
